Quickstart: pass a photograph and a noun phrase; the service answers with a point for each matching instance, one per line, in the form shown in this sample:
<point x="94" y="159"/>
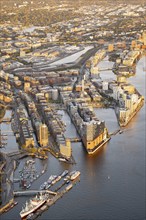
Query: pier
<point x="52" y="199"/>
<point x="32" y="192"/>
<point x="17" y="155"/>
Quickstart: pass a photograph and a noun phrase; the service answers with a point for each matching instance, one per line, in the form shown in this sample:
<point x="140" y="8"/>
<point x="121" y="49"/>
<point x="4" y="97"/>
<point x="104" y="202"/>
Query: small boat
<point x="62" y="159"/>
<point x="51" y="178"/>
<point x="67" y="181"/>
<point x="65" y="172"/>
<point x="75" y="175"/>
<point x="69" y="187"/>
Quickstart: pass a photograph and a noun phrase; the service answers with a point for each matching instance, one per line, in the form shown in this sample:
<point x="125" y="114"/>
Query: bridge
<point x="8" y="120"/>
<point x="18" y="154"/>
<point x="32" y="192"/>
<point x="15" y="153"/>
<point x="105" y="69"/>
<point x="75" y="139"/>
<point x="115" y="132"/>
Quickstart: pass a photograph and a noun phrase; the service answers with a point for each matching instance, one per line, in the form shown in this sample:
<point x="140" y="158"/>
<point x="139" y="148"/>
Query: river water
<point x="112" y="185"/>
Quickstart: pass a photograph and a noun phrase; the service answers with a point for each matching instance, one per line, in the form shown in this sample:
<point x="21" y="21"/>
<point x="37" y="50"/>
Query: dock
<point x="51" y="200"/>
<point x="32" y="192"/>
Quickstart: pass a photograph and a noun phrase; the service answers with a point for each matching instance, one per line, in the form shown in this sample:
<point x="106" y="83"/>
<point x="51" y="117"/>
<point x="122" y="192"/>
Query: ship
<point x="33" y="204"/>
<point x="92" y="131"/>
<point x="75" y="175"/>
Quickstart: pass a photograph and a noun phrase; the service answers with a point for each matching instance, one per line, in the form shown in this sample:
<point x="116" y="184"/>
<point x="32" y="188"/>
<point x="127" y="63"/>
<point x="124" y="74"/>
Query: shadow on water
<point x="2" y="112"/>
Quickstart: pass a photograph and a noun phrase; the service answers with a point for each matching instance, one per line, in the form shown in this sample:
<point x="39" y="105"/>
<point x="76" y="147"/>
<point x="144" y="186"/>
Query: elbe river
<point x="112" y="185"/>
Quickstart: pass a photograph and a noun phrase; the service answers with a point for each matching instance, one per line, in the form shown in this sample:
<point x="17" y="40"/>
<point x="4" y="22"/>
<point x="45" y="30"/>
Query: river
<point x="112" y="185"/>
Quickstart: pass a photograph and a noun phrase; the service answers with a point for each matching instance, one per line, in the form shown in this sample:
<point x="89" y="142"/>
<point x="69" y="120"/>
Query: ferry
<point x="34" y="204"/>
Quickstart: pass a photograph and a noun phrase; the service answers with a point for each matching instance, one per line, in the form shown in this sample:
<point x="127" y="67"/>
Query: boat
<point x="34" y="204"/>
<point x="42" y="187"/>
<point x="75" y="175"/>
<point x="55" y="180"/>
<point x="72" y="172"/>
<point x="48" y="186"/>
<point x="58" y="178"/>
<point x="62" y="159"/>
<point x="65" y="172"/>
<point x="69" y="187"/>
<point x="51" y="178"/>
<point x="67" y="181"/>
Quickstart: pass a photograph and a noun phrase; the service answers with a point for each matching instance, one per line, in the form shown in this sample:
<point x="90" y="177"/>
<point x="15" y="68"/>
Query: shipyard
<point x="72" y="109"/>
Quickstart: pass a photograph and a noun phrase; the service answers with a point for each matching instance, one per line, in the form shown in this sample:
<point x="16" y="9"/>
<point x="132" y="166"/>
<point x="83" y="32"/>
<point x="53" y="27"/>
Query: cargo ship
<point x="92" y="131"/>
<point x="33" y="204"/>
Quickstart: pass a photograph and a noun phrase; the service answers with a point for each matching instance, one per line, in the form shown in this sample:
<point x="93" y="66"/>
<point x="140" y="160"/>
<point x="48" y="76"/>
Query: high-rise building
<point x="43" y="135"/>
<point x="26" y="86"/>
<point x="65" y="149"/>
<point x="110" y="47"/>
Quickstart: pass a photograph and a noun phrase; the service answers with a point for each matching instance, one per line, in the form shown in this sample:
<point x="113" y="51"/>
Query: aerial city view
<point x="72" y="109"/>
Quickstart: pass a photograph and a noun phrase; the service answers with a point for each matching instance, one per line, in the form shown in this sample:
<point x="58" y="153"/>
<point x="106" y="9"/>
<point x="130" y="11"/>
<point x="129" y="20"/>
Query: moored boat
<point x="75" y="175"/>
<point x="33" y="204"/>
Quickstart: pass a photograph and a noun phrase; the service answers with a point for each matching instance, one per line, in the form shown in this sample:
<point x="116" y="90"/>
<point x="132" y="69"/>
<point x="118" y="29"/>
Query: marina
<point x="46" y="198"/>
